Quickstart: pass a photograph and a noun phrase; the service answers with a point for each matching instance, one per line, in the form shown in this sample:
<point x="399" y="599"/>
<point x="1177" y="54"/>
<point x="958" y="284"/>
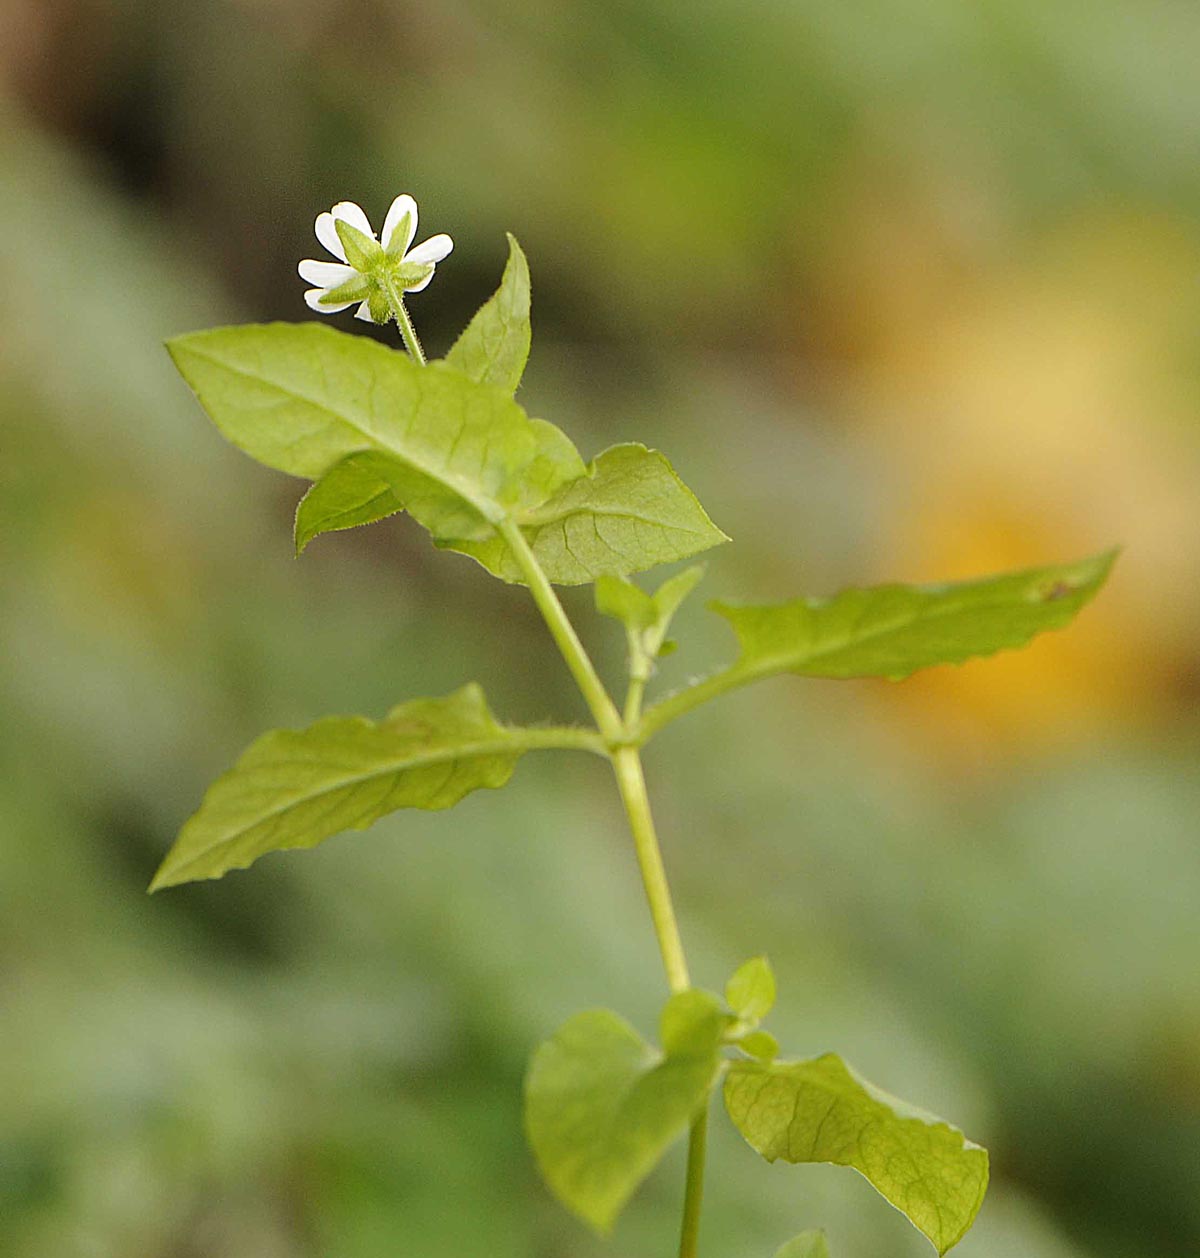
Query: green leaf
<point x="369" y="486"/>
<point x="669" y="598"/>
<point x="352" y="492"/>
<point x="294" y="788"/>
<point x="646" y="617"/>
<point x="692" y="1021"/>
<point x="494" y="347"/>
<point x="821" y="1111"/>
<point x="621" y="599"/>
<point x="301" y="397"/>
<point x="750" y="993"/>
<point x="602" y="1105"/>
<point x="629" y="512"/>
<point x="893" y="630"/>
<point x="806" y="1245"/>
<point x="760" y="1044"/>
<point x="555" y="462"/>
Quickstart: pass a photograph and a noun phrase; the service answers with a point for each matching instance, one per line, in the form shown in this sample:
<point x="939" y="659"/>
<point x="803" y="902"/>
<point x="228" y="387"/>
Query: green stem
<point x="403" y="322"/>
<point x="693" y="1199"/>
<point x="631" y="782"/>
<point x="639" y="674"/>
<point x="633" y="701"/>
<point x="674" y="706"/>
<point x="603" y="711"/>
<point x="555" y="738"/>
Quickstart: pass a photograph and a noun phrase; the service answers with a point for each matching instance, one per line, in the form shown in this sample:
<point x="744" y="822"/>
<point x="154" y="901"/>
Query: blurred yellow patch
<point x="1040" y="408"/>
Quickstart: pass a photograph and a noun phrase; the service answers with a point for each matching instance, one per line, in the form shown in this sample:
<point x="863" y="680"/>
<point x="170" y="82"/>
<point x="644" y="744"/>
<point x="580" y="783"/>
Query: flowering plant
<point x="378" y="431"/>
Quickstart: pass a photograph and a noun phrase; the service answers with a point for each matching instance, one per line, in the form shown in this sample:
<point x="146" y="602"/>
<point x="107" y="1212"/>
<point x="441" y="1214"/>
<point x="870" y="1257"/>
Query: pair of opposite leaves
<point x="602" y="1106"/>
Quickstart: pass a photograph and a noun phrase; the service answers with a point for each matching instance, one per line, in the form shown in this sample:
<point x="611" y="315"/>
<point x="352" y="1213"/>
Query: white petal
<point x="327" y="235"/>
<point x="402" y="204"/>
<point x="313" y="298"/>
<point x="364" y="312"/>
<point x="416" y="288"/>
<point x="325" y="274"/>
<point x="432" y="250"/>
<point x="353" y="214"/>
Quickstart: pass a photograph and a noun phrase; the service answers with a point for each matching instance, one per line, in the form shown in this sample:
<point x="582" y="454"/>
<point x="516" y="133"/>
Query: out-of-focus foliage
<point x="936" y="269"/>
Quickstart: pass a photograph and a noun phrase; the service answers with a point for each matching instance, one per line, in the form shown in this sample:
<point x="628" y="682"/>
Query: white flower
<point x="368" y="267"/>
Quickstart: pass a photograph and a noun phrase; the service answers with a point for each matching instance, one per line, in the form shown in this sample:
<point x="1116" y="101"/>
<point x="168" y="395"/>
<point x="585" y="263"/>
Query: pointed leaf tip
<point x="295" y="788"/>
<point x="806" y="1245"/>
<point x="494" y="346"/>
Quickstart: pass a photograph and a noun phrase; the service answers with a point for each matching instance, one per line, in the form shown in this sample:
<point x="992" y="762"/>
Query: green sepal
<point x="379" y="306"/>
<point x="807" y="1245"/>
<point x="409" y="274"/>
<point x="398" y="242"/>
<point x="354" y="289"/>
<point x="362" y="251"/>
<point x="494" y="346"/>
<point x="822" y="1111"/>
<point x="602" y="1105"/>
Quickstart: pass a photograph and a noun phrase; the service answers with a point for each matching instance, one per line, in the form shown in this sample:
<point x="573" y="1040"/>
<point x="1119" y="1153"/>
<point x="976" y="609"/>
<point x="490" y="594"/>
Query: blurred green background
<point x="906" y="290"/>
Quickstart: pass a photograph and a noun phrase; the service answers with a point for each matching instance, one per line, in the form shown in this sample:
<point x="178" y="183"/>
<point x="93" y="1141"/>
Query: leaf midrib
<point x="471" y="751"/>
<point x="774" y="660"/>
<point x="488" y="507"/>
<point x="536" y="520"/>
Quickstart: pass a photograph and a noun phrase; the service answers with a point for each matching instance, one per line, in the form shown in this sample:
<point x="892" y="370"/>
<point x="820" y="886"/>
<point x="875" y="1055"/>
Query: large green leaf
<point x="893" y="630"/>
<point x="294" y="788"/>
<point x="370" y="486"/>
<point x="821" y="1111"/>
<point x="494" y="347"/>
<point x="301" y="398"/>
<point x="806" y="1245"/>
<point x="628" y="513"/>
<point x="380" y="433"/>
<point x="602" y="1105"/>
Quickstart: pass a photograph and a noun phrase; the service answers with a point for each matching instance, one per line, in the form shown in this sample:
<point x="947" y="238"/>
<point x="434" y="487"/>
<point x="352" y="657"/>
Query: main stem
<point x="631" y="781"/>
<point x="632" y="784"/>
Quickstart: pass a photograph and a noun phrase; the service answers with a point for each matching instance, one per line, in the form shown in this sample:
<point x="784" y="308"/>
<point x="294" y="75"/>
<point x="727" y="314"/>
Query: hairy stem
<point x="675" y="705"/>
<point x="403" y="322"/>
